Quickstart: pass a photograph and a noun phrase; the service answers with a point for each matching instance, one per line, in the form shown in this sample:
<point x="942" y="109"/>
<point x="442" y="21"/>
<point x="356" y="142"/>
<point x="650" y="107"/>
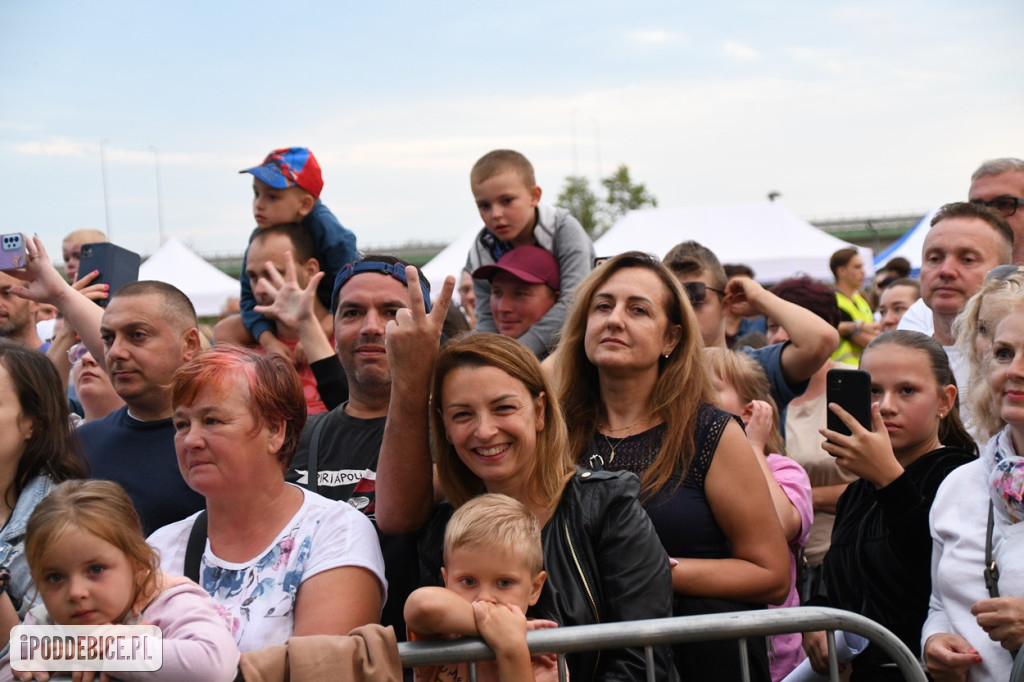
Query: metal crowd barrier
<point x="647" y="633"/>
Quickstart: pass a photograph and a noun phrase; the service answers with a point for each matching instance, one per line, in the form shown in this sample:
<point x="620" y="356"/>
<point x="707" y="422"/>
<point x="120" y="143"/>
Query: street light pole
<point x="159" y="195"/>
<point x="106" y="195"/>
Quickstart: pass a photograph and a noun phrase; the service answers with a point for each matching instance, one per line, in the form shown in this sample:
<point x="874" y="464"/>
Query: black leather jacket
<point x="605" y="564"/>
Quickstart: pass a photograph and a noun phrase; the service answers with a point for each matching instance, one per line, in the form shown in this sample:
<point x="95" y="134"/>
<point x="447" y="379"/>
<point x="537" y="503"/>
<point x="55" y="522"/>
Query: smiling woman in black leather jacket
<point x="495" y="428"/>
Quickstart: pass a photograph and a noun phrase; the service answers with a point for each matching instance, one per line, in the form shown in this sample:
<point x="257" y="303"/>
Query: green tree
<point x="597" y="216"/>
<point x="582" y="203"/>
<point x="623" y="195"/>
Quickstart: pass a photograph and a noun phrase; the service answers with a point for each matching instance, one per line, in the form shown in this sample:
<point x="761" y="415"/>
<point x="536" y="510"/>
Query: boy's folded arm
<point x="431" y="611"/>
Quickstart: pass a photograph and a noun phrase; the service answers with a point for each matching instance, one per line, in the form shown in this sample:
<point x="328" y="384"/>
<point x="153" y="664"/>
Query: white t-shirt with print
<point x="258" y="595"/>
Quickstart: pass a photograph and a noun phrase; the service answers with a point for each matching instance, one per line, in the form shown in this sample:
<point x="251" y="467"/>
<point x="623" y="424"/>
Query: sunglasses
<point x="1006" y="206"/>
<point x="698" y="292"/>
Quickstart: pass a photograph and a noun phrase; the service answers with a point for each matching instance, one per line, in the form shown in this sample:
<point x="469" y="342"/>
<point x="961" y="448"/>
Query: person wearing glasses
<point x="999" y="184"/>
<point x="92" y="385"/>
<point x="789" y="365"/>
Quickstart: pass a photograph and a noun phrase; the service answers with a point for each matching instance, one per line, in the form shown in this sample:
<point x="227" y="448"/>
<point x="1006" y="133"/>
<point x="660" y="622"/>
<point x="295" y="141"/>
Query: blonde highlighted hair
<point x="491" y="522"/>
<point x="683" y="380"/>
<point x="552" y="464"/>
<point x="1001" y="298"/>
<point x="747" y="378"/>
<point x="103" y="509"/>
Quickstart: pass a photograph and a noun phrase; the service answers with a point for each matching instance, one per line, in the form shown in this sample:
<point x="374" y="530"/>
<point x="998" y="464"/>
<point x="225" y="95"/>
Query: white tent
<point x="206" y="286"/>
<point x="450" y="261"/>
<point x="909" y="245"/>
<point x="766" y="236"/>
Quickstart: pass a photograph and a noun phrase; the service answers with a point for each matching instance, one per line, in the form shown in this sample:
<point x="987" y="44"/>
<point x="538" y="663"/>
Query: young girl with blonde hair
<point x="92" y="566"/>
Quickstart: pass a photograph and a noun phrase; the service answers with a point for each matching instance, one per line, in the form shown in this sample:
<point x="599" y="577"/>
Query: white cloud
<point x="654" y="37"/>
<point x="739" y="52"/>
<point x="57" y="147"/>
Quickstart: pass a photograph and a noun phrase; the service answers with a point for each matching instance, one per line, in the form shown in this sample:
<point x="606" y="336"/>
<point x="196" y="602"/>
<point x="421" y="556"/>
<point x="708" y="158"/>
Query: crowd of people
<point x="566" y="443"/>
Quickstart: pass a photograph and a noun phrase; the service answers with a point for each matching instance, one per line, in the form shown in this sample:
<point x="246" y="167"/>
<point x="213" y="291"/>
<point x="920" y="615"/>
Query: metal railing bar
<point x="708" y="627"/>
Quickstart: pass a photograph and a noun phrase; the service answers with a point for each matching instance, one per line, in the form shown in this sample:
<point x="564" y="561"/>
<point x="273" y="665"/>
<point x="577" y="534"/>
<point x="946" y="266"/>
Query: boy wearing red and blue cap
<point x="286" y="189"/>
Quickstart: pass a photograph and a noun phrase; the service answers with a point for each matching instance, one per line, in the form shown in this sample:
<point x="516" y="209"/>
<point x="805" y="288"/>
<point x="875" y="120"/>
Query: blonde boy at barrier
<point x="493" y="571"/>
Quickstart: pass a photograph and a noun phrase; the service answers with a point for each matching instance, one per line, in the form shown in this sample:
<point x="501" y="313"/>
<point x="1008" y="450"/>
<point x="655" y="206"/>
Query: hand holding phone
<point x="851" y="390"/>
<point x="117" y="266"/>
<point x="868" y="454"/>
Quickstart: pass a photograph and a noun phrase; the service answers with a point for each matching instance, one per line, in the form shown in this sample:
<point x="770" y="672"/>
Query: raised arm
<point x="812" y="339"/>
<point x="45" y="285"/>
<point x="405" y="482"/>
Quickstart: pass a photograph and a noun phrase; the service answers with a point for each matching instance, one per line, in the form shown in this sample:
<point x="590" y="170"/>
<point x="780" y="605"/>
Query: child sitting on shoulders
<point x="92" y="566"/>
<point x="493" y="572"/>
<point x="286" y="189"/>
<point x="508" y="199"/>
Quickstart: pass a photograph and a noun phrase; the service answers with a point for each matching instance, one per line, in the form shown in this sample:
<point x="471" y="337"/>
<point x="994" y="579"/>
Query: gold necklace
<point x="629" y="432"/>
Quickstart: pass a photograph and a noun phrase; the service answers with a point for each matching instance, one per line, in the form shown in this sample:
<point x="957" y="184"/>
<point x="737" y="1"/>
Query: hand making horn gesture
<point x="413" y="337"/>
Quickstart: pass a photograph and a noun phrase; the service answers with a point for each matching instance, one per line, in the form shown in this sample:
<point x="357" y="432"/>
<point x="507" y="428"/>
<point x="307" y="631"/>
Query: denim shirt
<point x="12" y="542"/>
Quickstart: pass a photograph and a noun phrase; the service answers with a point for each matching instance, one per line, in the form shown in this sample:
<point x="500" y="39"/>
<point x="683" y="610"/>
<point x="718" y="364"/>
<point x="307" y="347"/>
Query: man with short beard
<point x="338" y="454"/>
<point x="18" y="316"/>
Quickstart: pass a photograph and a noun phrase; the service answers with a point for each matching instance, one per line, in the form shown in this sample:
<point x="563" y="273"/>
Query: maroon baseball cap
<point x="529" y="263"/>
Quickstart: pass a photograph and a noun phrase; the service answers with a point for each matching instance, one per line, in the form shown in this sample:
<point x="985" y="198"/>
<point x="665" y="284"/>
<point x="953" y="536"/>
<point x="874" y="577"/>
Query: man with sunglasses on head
<point x="788" y="365"/>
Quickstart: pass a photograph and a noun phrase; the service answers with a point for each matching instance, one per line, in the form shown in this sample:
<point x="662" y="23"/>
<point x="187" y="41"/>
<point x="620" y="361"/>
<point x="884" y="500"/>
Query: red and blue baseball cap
<point x="290" y="167"/>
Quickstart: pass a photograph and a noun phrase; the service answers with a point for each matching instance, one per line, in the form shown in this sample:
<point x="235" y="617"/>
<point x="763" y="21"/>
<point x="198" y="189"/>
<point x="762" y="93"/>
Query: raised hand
<point x="292" y="305"/>
<point x="758" y="419"/>
<point x="93" y="292"/>
<point x="412" y="338"/>
<point x="45" y="284"/>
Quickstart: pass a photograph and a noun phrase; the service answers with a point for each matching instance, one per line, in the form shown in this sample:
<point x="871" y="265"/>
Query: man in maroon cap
<point x="525" y="284"/>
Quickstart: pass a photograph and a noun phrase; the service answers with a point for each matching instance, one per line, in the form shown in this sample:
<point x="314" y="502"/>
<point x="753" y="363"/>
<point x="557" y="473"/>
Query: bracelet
<point x="857" y="327"/>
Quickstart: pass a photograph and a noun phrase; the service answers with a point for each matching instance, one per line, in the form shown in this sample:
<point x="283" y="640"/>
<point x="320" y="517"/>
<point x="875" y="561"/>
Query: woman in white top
<point x="279" y="560"/>
<point x="969" y="634"/>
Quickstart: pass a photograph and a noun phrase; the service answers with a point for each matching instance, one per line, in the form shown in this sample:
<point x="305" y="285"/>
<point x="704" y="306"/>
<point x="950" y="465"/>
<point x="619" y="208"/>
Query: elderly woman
<point x="37" y="451"/>
<point x="280" y="560"/>
<point x="638" y="397"/>
<point x="497" y="429"/>
<point x="970" y="631"/>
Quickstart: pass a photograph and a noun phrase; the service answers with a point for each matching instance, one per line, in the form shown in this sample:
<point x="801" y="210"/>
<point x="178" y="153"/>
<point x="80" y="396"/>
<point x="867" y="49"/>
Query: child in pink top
<point x="743" y="389"/>
<point x="92" y="566"/>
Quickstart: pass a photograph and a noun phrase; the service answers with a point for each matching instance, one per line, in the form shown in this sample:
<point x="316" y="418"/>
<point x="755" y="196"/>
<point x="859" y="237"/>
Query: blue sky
<point x="845" y="108"/>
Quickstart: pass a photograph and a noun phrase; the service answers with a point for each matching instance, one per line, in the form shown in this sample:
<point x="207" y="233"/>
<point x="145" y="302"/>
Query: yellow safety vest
<point x="849" y="351"/>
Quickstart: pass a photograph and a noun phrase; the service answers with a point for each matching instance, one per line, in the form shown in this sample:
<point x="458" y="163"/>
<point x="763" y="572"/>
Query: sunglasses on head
<point x="698" y="292"/>
<point x="77" y="352"/>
